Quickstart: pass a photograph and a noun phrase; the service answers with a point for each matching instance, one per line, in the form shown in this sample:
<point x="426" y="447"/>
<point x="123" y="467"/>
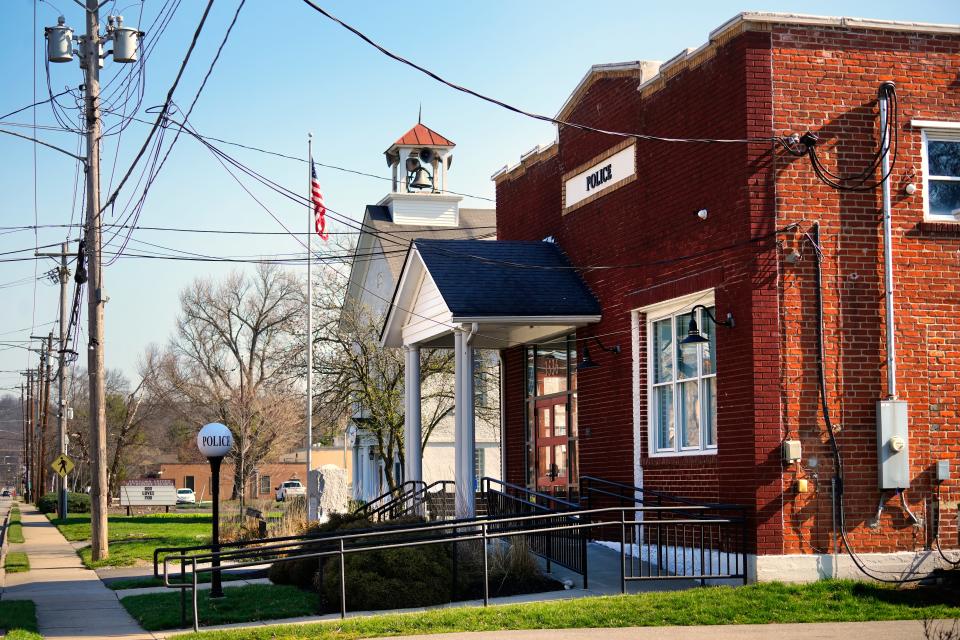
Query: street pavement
<point x="72" y="602"/>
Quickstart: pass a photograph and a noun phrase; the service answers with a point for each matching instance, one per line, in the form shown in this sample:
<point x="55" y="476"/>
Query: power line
<point x="35" y="104"/>
<point x="536" y="116"/>
<point x="245" y="232"/>
<point x="286" y="156"/>
<point x="163" y="110"/>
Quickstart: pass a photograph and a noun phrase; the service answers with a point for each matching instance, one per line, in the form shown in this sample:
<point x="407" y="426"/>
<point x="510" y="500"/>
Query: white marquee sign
<point x="600" y="177"/>
<point x="145" y="493"/>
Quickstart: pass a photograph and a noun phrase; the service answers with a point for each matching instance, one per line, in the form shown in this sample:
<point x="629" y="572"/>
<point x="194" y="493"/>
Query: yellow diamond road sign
<point x="62" y="464"/>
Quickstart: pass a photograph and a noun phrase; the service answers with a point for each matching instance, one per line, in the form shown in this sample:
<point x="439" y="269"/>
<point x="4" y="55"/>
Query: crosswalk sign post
<point x="62" y="465"/>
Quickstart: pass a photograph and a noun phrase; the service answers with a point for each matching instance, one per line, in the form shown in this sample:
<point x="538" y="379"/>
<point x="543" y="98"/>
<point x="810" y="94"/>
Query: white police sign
<point x="214" y="440"/>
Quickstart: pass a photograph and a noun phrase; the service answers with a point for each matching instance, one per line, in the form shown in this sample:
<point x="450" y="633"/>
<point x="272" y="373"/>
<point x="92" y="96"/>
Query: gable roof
<point x="505" y="278"/>
<point x="420" y="134"/>
<point x="474" y="224"/>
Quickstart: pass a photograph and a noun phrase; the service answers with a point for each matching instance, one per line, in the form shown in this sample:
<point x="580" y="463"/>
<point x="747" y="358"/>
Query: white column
<point x="464" y="436"/>
<point x="412" y="433"/>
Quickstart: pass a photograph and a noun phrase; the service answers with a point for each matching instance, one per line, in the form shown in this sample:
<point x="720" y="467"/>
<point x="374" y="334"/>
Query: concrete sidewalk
<point x="71" y="600"/>
<point x="892" y="630"/>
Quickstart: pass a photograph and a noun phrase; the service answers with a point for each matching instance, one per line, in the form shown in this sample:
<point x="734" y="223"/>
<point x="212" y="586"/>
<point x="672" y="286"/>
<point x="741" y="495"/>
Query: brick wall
<point x="649" y="223"/>
<point x="778" y="80"/>
<point x="827" y="80"/>
<point x="202" y="480"/>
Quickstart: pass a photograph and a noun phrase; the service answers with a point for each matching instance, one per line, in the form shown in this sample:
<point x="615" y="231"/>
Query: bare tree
<point x="356" y="376"/>
<point x="128" y="412"/>
<point x="233" y="360"/>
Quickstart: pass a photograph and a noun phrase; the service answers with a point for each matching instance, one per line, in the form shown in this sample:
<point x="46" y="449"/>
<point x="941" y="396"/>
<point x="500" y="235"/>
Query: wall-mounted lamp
<point x="693" y="332"/>
<point x="586" y="362"/>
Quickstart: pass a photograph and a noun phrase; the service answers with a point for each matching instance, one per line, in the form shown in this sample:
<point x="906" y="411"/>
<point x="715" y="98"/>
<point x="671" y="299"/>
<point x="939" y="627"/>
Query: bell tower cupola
<point x="420" y="160"/>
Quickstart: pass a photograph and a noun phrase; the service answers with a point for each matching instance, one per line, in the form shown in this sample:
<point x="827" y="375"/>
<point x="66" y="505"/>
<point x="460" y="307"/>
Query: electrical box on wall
<point x="893" y="450"/>
<point x="791" y="451"/>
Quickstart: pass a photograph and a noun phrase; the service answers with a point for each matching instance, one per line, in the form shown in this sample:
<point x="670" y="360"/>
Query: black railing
<point x="379" y="508"/>
<point x="567" y="548"/>
<point x="713" y="546"/>
<point x="540" y="524"/>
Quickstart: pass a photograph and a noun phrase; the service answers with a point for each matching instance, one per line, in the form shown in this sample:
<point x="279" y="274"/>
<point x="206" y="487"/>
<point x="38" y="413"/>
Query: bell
<point x="421" y="179"/>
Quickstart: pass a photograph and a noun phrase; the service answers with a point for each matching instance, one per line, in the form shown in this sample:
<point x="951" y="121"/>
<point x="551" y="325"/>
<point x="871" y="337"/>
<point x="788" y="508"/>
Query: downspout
<point x="503" y="414"/>
<point x="883" y="96"/>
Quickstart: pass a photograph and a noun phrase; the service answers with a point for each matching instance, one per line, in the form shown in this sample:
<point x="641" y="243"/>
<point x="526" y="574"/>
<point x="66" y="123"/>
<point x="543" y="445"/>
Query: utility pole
<point x="37" y="436"/>
<point x="28" y="436"/>
<point x="125" y="50"/>
<point x="90" y="51"/>
<point x="46" y="362"/>
<point x="48" y="379"/>
<point x="64" y="276"/>
<point x="23" y="445"/>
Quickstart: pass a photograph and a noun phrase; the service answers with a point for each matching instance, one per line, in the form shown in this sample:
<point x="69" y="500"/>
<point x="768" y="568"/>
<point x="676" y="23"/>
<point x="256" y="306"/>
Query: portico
<point x="471" y="294"/>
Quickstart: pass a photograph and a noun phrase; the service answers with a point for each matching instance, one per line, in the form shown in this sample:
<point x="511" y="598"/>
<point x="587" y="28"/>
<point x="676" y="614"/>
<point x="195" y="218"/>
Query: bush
<point x="76" y="503"/>
<point x="302" y="573"/>
<point x="410" y="576"/>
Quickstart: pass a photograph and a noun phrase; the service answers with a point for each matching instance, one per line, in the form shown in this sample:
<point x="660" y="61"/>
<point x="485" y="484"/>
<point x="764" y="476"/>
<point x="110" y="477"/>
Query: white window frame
<point x="932" y="130"/>
<point x="654" y="313"/>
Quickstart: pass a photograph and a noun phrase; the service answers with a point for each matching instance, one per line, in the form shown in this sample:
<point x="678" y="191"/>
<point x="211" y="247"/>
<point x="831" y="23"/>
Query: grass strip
<point x="17" y="562"/>
<point x="19" y="619"/>
<point x="133" y="538"/>
<point x="240" y="604"/>
<point x="15" y="528"/>
<point x="120" y="584"/>
<point x="825" y="601"/>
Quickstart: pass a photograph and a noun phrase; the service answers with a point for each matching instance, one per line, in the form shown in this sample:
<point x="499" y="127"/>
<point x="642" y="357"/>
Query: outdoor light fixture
<point x="586" y="362"/>
<point x="693" y="332"/>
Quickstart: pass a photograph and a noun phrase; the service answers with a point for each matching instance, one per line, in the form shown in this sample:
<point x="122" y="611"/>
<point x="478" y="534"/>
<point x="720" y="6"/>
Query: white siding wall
<point x="430" y="313"/>
<point x="426" y="210"/>
<point x="378" y="283"/>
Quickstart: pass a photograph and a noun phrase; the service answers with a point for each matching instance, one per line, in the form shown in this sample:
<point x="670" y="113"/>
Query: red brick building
<point x="657" y="228"/>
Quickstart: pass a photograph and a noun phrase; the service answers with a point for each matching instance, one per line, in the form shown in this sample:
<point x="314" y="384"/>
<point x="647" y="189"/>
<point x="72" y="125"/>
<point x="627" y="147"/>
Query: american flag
<point x="319" y="211"/>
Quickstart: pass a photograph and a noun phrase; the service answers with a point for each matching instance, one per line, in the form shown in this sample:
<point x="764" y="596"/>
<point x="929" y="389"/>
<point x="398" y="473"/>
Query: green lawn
<point x="133" y="538"/>
<point x="19" y="619"/>
<point x="241" y="604"/>
<point x="17" y="562"/>
<point x="120" y="584"/>
<point x="826" y="601"/>
<point x="15" y="530"/>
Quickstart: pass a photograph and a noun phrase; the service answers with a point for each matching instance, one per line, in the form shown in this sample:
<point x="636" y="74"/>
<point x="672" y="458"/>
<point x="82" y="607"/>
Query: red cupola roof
<point x="422" y="135"/>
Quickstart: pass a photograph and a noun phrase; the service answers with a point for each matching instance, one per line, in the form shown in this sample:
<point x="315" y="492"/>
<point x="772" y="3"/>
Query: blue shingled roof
<point x="506" y="278"/>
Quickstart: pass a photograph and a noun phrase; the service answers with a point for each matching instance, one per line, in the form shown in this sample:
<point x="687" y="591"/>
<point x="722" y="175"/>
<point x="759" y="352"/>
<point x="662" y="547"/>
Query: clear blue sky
<point x="286" y="71"/>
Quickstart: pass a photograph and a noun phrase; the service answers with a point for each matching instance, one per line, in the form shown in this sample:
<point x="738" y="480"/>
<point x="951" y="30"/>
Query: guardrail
<point x="711" y="548"/>
<point x="341" y="545"/>
<point x="568" y="549"/>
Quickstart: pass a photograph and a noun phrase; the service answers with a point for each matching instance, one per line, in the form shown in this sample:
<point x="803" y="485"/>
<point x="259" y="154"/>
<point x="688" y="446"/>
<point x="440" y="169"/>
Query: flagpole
<point x="311" y="494"/>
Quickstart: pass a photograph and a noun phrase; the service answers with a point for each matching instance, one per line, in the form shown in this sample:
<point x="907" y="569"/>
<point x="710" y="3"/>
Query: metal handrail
<point x="387" y="497"/>
<point x="461" y="533"/>
<point x="487" y="481"/>
<point x="409" y="500"/>
<point x="643" y="491"/>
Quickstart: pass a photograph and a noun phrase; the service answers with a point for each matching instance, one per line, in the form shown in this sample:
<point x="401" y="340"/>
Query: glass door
<point x="552" y="440"/>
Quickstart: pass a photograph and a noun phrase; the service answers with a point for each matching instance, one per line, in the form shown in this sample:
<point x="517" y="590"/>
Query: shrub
<point x="76" y="503"/>
<point x="391" y="578"/>
<point x="302" y="573"/>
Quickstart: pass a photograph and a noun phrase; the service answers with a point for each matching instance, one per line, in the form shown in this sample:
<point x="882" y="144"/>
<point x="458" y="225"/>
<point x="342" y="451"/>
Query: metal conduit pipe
<point x="884" y="95"/>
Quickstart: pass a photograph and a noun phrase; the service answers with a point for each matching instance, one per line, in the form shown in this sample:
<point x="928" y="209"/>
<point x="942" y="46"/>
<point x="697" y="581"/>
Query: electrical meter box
<point x="893" y="449"/>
